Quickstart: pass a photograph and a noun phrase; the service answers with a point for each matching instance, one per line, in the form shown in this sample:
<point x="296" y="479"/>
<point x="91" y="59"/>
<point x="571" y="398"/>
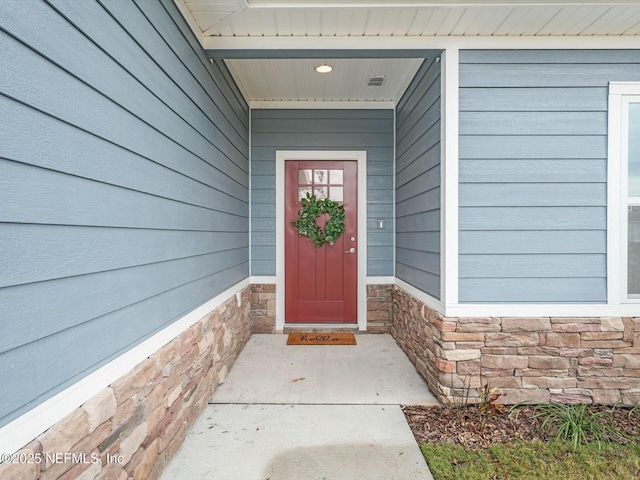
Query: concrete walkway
<point x="308" y="413"/>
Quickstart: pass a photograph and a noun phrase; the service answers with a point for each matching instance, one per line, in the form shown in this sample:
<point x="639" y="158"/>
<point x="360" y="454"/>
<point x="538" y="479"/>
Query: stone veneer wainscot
<point x="569" y="360"/>
<point x="144" y="415"/>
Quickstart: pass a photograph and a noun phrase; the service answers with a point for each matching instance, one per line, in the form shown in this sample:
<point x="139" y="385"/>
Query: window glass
<point x="305" y="176"/>
<point x="336" y="194"/>
<point x="320" y="176"/>
<point x="302" y="192"/>
<point x="320" y="192"/>
<point x="336" y="177"/>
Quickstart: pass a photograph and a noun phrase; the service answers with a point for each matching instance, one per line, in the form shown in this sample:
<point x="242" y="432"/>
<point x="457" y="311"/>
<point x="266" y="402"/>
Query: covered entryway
<point x="321" y="282"/>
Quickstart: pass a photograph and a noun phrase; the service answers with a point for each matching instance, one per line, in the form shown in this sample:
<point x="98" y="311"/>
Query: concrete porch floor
<point x="308" y="413"/>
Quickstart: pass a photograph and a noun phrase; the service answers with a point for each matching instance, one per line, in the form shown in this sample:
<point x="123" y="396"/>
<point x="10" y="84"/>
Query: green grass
<point x="534" y="460"/>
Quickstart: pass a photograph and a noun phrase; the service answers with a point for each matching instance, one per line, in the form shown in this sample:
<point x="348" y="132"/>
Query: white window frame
<point x="621" y="94"/>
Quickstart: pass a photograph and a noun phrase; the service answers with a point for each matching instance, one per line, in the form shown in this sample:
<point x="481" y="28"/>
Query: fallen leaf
<point x="297" y="379"/>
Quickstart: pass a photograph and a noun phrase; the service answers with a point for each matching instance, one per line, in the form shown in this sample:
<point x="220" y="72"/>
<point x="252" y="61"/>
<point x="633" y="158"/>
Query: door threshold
<point x="320" y="328"/>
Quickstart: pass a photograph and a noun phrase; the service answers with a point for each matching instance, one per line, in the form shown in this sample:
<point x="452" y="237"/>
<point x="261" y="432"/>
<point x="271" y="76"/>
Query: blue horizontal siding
<point x="533" y="173"/>
<point x="531" y="290"/>
<point x="418" y="181"/>
<point x="123" y="185"/>
<point x="370" y="130"/>
<point x="533" y="99"/>
<point x="512" y="171"/>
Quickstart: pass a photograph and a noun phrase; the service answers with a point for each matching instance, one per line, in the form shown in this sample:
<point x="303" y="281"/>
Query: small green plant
<point x="577" y="424"/>
<point x="487" y="405"/>
<point x="463" y="398"/>
<point x="459" y="398"/>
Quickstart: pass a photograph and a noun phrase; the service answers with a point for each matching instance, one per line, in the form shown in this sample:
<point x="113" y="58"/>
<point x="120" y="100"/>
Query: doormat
<point x="321" y="339"/>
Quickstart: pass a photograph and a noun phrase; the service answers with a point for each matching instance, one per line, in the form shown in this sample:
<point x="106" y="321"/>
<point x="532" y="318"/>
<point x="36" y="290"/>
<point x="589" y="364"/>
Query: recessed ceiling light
<point x="326" y="68"/>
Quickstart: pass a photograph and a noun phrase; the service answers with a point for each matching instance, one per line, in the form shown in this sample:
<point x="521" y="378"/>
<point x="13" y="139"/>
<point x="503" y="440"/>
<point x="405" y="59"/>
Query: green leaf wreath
<point x="312" y="208"/>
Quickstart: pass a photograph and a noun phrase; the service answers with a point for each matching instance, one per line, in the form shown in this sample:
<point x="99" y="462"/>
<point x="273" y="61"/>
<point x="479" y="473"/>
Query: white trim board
<point x="621" y="94"/>
<point x="418" y="294"/>
<point x="449" y="176"/>
<point x="265" y="279"/>
<point x="380" y="280"/>
<point x="25" y="428"/>
<point x="373" y="4"/>
<point x="321" y="105"/>
<point x="519" y="310"/>
<point x="614" y="198"/>
<point x="541" y="310"/>
<point x="360" y="156"/>
<point x="193" y="25"/>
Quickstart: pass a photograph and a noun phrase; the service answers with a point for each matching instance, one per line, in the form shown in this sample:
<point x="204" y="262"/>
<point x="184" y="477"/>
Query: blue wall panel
<point x="123" y="185"/>
<point x="370" y="130"/>
<point x="533" y="173"/>
<point x="418" y="181"/>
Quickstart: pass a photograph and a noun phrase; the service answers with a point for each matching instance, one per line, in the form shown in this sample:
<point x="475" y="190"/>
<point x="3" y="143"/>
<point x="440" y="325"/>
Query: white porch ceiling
<point x="258" y="25"/>
<point x="295" y="80"/>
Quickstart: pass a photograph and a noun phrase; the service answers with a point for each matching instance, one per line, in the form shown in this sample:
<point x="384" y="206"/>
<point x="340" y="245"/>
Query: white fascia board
<point x="25" y="428"/>
<point x="371" y="4"/>
<point x="322" y="105"/>
<point x="419" y="43"/>
<point x="239" y="84"/>
<point x="193" y="25"/>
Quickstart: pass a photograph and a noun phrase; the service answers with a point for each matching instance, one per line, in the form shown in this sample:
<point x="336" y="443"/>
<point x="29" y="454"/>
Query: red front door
<point x="321" y="283"/>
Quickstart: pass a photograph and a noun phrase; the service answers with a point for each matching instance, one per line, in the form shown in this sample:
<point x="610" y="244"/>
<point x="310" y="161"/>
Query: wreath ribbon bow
<point x="312" y="208"/>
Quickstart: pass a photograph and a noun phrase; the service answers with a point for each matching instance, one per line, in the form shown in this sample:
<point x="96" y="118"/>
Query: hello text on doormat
<point x="321" y="339"/>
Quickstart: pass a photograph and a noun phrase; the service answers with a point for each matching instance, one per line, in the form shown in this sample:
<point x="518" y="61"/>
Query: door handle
<point x="351" y="250"/>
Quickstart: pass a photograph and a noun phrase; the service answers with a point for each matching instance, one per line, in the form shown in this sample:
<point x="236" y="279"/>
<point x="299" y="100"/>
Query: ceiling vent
<point x="375" y="81"/>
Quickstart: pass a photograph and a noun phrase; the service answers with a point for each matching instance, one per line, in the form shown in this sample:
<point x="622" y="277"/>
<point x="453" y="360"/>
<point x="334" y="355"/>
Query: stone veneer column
<point x="263" y="308"/>
<point x="379" y="308"/>
<point x="569" y="360"/>
<point x="135" y="425"/>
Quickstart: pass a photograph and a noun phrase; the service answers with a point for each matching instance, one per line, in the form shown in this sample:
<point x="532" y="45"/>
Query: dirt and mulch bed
<point x="467" y="427"/>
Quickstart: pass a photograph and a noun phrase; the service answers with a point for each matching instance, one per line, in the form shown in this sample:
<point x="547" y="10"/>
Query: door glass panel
<point x="302" y="192"/>
<point x="634" y="252"/>
<point x="335" y="177"/>
<point x="320" y="192"/>
<point x="336" y="194"/>
<point x="634" y="149"/>
<point x="320" y="176"/>
<point x="305" y="176"/>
